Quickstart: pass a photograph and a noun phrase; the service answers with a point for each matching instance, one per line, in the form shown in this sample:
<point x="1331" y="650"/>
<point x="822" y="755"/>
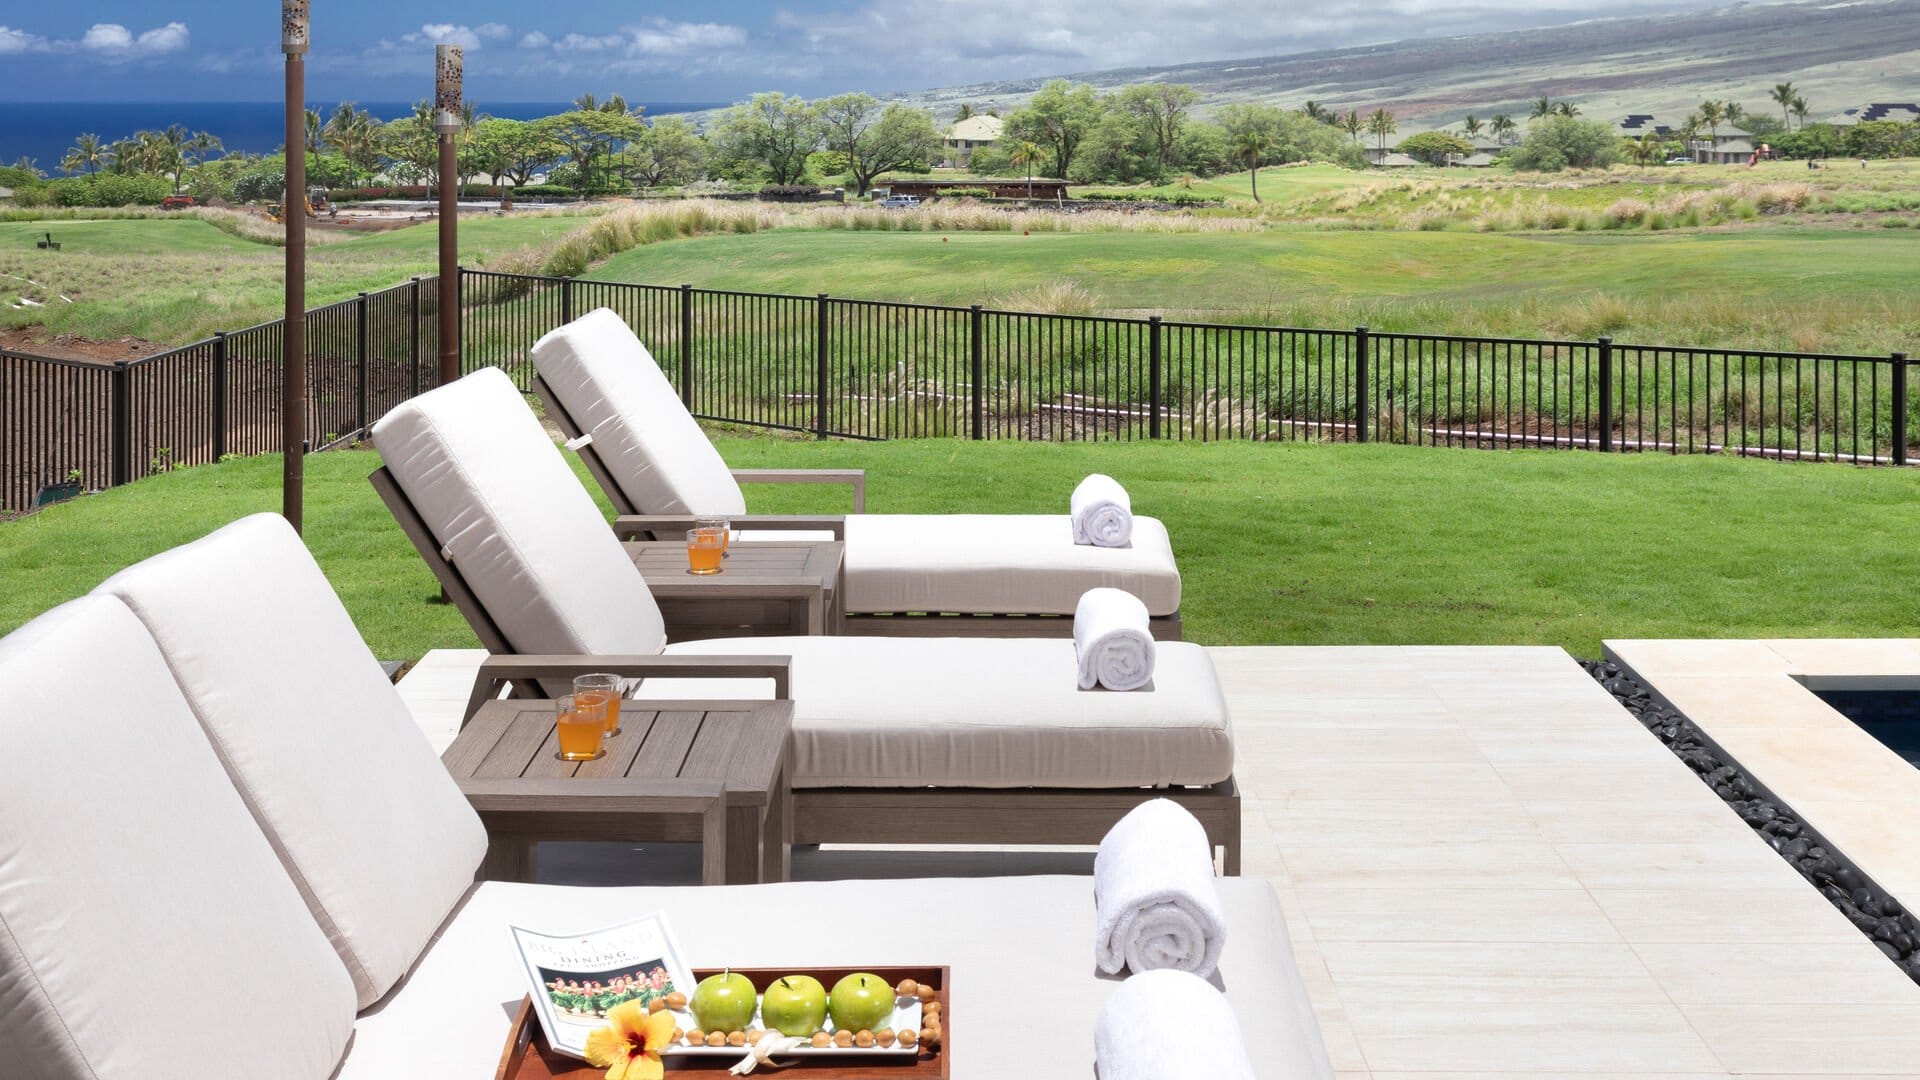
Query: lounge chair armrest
<point x="667" y="795"/>
<point x="499" y="671"/>
<point x="639" y="526"/>
<point x="857" y="478"/>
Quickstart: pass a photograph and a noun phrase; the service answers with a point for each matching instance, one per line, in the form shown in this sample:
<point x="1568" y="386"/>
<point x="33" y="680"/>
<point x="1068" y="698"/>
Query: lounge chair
<point x="229" y="853"/>
<point x="1008" y="575"/>
<point x="896" y="739"/>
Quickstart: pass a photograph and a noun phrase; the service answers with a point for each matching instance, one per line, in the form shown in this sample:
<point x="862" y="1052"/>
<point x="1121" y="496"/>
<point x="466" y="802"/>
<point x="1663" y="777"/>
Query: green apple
<point x="723" y="1002"/>
<point x="861" y="1002"/>
<point x="795" y="1005"/>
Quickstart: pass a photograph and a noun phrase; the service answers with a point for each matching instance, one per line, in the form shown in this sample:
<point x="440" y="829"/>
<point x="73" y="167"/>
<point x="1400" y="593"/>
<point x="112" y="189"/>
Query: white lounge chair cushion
<point x="376" y="834"/>
<point x="979" y="712"/>
<point x="611" y="386"/>
<point x="517" y="524"/>
<point x="1035" y="929"/>
<point x="189" y="933"/>
<point x="999" y="563"/>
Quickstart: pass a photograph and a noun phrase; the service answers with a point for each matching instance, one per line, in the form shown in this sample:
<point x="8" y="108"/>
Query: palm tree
<point x="1025" y="154"/>
<point x="586" y="103"/>
<point x="1542" y="106"/>
<point x="1782" y="96"/>
<point x="1471" y="125"/>
<point x="1502" y="127"/>
<point x="1711" y="113"/>
<point x="314" y="124"/>
<point x="1645" y="148"/>
<point x="1735" y="111"/>
<point x="1800" y="109"/>
<point x="202" y="144"/>
<point x="1353" y="125"/>
<point x="352" y="131"/>
<point x="1566" y="108"/>
<point x="964" y="112"/>
<point x="85" y="153"/>
<point x="1313" y="110"/>
<point x="1381" y="124"/>
<point x="1252" y="146"/>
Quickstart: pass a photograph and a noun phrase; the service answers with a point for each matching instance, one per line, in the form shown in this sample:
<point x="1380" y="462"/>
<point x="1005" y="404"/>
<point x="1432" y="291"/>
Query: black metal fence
<point x="869" y="369"/>
<point x="872" y="370"/>
<point x="96" y="424"/>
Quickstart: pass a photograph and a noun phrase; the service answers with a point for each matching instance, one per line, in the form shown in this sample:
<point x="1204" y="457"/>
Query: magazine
<point x="576" y="978"/>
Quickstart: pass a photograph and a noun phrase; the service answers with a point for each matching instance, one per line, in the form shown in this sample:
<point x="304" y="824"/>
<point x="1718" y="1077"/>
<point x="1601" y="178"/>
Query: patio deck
<point x="1489" y="868"/>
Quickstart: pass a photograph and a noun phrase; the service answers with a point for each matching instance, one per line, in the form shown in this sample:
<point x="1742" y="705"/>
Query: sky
<point x="674" y="50"/>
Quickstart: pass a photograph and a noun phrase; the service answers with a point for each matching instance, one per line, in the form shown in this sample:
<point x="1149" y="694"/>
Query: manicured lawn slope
<point x="1277" y="543"/>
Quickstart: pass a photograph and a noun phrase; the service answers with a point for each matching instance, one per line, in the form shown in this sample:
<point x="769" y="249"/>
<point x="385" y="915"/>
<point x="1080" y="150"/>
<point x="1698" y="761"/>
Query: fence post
<point x="1362" y="365"/>
<point x="1154" y="396"/>
<point x="121" y="446"/>
<point x="1606" y="394"/>
<point x="360" y="367"/>
<point x="413" y="346"/>
<point x="1899" y="408"/>
<point x="820" y="345"/>
<point x="977" y="369"/>
<point x="566" y="301"/>
<point x="686" y="346"/>
<point x="219" y="394"/>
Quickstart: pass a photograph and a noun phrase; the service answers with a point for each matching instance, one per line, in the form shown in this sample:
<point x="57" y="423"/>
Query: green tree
<point x="203" y="145"/>
<point x="1711" y="114"/>
<point x="1435" y="147"/>
<point x="1542" y="107"/>
<point x="1353" y="125"/>
<point x="1025" y="154"/>
<point x="86" y="153"/>
<point x="1160" y="111"/>
<point x="771" y="132"/>
<point x="1557" y="142"/>
<point x="1502" y="127"/>
<point x="513" y="150"/>
<point x="1566" y="108"/>
<point x="1251" y="147"/>
<point x="1782" y="96"/>
<point x="587" y="138"/>
<point x="875" y="139"/>
<point x="667" y="154"/>
<point x="1059" y="117"/>
<point x="409" y="146"/>
<point x="1471" y="125"/>
<point x="355" y="134"/>
<point x="1318" y="113"/>
<point x="1380" y="125"/>
<point x="1800" y="110"/>
<point x="964" y="112"/>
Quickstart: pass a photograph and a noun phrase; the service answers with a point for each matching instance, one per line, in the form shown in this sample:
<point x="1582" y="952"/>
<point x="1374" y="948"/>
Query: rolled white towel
<point x="1169" y="1025"/>
<point x="1112" y="640"/>
<point x="1102" y="512"/>
<point x="1154" y="898"/>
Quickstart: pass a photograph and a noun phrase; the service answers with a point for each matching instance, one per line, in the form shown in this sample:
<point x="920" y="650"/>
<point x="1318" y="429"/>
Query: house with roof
<point x="968" y="135"/>
<point x="1637" y="125"/>
<point x="1899" y="112"/>
<point x="1727" y="144"/>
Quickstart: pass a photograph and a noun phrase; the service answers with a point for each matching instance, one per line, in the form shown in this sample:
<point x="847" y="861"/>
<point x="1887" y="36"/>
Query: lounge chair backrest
<point x="365" y="819"/>
<point x="647" y="440"/>
<point x="146" y="928"/>
<point x="515" y="521"/>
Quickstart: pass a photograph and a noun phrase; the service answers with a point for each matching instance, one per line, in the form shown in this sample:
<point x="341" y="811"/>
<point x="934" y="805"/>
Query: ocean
<point x="43" y="131"/>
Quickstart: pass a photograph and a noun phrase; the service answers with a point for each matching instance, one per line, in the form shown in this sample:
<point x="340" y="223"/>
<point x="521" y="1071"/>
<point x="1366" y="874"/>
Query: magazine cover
<point x="576" y="978"/>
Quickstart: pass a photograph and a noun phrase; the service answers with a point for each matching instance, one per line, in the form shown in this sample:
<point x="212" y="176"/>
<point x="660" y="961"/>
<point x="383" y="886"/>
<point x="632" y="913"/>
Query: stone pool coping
<point x="1749" y="697"/>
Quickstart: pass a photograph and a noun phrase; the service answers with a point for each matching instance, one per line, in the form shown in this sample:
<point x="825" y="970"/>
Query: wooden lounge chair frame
<point x="846" y="815"/>
<point x="630" y="524"/>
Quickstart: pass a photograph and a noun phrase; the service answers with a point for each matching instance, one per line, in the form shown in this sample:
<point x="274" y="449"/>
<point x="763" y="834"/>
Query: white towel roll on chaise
<point x="1169" y="1025"/>
<point x="1102" y="512"/>
<point x="1113" y="640"/>
<point x="1155" y="901"/>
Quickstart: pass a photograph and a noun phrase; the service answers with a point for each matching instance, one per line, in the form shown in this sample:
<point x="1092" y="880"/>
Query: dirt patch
<point x="34" y="342"/>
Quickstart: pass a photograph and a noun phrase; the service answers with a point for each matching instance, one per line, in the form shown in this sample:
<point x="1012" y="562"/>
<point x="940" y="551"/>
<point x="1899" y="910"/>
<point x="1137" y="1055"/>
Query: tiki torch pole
<point x="446" y="126"/>
<point x="293" y="347"/>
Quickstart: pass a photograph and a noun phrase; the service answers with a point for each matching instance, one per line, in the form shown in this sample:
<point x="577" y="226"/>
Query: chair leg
<point x="746" y="828"/>
<point x="713" y="844"/>
<point x="509" y="858"/>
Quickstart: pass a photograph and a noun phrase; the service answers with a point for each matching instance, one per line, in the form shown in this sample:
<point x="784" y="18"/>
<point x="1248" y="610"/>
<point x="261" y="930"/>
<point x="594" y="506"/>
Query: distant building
<point x="1638" y="124"/>
<point x="968" y="135"/>
<point x="1726" y="145"/>
<point x="1903" y="113"/>
<point x="1389" y="158"/>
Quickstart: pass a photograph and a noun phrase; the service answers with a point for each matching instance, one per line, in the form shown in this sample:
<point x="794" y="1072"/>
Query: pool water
<point x="1891" y="716"/>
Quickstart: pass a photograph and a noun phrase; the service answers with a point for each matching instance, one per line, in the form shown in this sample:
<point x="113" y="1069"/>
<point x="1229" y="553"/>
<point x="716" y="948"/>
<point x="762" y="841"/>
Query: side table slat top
<point x="667" y="744"/>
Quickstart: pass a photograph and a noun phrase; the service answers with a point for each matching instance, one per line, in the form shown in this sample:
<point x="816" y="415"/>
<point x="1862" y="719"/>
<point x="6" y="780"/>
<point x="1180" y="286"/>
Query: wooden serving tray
<point x="527" y="1056"/>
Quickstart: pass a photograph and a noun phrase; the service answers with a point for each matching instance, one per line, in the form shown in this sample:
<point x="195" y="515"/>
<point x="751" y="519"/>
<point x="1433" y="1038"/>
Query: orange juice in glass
<point x="603" y="688"/>
<point x="704" y="550"/>
<point x="581" y="726"/>
<point x="726" y="532"/>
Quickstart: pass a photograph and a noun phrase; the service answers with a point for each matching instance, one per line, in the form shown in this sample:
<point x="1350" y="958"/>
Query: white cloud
<point x="588" y="43"/>
<point x="662" y="37"/>
<point x="19" y="41"/>
<point x="107" y="37"/>
<point x="172" y="37"/>
<point x="116" y="44"/>
<point x="467" y="37"/>
<point x="535" y="40"/>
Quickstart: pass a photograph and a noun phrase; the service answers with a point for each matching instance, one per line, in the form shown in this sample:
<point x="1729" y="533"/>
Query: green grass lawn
<point x="1278" y="543"/>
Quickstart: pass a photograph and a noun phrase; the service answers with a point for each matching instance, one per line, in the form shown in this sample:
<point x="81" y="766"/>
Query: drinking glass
<point x="604" y="688"/>
<point x="726" y="532"/>
<point x="704" y="548"/>
<point x="581" y="726"/>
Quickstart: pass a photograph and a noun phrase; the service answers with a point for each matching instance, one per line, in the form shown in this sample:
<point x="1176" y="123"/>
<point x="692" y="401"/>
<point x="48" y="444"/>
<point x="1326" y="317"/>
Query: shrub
<point x="967" y="193"/>
<point x="111" y="189"/>
<point x="1558" y="142"/>
<point x="796" y="192"/>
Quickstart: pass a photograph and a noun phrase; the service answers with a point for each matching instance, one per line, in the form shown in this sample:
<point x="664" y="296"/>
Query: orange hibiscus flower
<point x="630" y="1045"/>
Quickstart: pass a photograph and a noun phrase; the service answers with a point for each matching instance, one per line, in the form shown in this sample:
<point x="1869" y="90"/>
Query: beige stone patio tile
<point x="1305" y="822"/>
<point x="1706" y="916"/>
<point x="1832" y="972"/>
<point x="1849" y="656"/>
<point x="1682" y="865"/>
<point x="1878" y="836"/>
<point x="1360" y="743"/>
<point x="1827" y="758"/>
<point x="435" y="691"/>
<point x="1741" y="700"/>
<point x="1456" y="915"/>
<point x="1504" y="864"/>
<point x="1635" y="1075"/>
<point x="1571" y="747"/>
<point x="1577" y="821"/>
<point x="1531" y="1038"/>
<point x="1437" y="782"/>
<point x="1599" y="974"/>
<point x="1661" y="778"/>
<point x="1811" y="1040"/>
<point x="1652" y="658"/>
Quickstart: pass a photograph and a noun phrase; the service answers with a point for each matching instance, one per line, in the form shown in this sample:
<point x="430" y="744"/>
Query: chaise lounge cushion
<point x="611" y="386"/>
<point x="980" y="712"/>
<point x="314" y="736"/>
<point x="512" y="516"/>
<point x="190" y="936"/>
<point x="1033" y="929"/>
<point x="995" y="563"/>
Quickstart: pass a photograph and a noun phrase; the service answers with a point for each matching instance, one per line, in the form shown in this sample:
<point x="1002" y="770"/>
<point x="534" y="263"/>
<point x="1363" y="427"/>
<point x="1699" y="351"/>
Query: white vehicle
<point x="894" y="202"/>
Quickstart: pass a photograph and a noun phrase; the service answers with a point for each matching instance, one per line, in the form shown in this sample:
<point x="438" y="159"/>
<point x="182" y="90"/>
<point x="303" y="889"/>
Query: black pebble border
<point x="1879" y="916"/>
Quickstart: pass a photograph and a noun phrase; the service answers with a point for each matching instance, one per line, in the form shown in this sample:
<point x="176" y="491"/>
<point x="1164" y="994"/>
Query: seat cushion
<point x="608" y="382"/>
<point x="979" y="712"/>
<point x="514" y="520"/>
<point x="998" y="564"/>
<point x="316" y="739"/>
<point x="141" y="910"/>
<point x="986" y="928"/>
